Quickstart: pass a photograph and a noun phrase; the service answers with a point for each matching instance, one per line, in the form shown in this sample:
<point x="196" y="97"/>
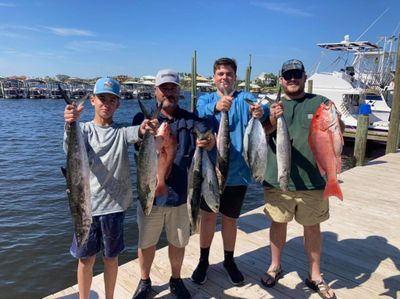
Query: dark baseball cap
<point x="292" y="64"/>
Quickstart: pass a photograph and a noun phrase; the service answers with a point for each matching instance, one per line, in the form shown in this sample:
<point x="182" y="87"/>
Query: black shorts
<point x="231" y="201"/>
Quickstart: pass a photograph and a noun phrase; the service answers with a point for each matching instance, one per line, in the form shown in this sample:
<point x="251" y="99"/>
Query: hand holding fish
<point x="256" y="110"/>
<point x="208" y="142"/>
<point x="149" y="125"/>
<point x="224" y="104"/>
<point x="276" y="110"/>
<point x="72" y="113"/>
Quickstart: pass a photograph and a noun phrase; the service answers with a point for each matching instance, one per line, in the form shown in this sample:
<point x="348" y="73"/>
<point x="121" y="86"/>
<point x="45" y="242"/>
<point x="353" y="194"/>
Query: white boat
<point x="364" y="81"/>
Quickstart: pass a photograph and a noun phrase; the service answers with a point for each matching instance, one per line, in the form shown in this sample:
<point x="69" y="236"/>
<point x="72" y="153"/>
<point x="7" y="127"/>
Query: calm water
<point x="35" y="223"/>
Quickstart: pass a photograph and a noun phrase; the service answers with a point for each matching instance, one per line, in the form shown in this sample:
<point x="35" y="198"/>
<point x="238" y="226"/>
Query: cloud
<point x="8" y="34"/>
<point x="283" y="8"/>
<point x="85" y="46"/>
<point x="69" y="31"/>
<point x="5" y="4"/>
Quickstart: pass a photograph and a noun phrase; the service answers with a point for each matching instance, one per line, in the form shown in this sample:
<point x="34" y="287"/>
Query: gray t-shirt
<point x="110" y="179"/>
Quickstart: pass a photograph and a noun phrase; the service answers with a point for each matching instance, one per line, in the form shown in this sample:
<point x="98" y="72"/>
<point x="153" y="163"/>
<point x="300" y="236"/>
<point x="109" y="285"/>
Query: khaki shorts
<point x="175" y="220"/>
<point x="307" y="207"/>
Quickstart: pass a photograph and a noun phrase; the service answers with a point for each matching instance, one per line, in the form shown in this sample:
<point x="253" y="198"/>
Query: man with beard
<point x="169" y="209"/>
<point x="303" y="200"/>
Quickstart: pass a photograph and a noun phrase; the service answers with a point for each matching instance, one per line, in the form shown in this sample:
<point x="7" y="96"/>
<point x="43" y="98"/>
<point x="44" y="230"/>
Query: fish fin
<point x="321" y="169"/>
<point x="278" y="96"/>
<point x="338" y="165"/>
<point x="161" y="189"/>
<point x="144" y="110"/>
<point x="64" y="171"/>
<point x="332" y="188"/>
<point x="157" y="111"/>
<point x="83" y="99"/>
<point x="64" y="95"/>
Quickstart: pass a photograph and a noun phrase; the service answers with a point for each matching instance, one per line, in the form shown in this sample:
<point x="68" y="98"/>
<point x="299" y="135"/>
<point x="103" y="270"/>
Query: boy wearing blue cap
<point x="110" y="182"/>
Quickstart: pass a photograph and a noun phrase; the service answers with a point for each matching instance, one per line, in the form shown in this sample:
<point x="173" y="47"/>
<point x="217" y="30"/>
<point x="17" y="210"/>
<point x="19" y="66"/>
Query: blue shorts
<point x="106" y="234"/>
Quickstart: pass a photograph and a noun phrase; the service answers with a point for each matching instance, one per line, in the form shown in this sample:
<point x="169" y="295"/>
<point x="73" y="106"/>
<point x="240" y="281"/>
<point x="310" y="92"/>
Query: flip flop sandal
<point x="321" y="287"/>
<point x="270" y="278"/>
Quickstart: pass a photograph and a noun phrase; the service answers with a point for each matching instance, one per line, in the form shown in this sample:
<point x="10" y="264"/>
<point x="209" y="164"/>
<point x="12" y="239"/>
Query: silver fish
<point x="283" y="150"/>
<point x="255" y="148"/>
<point x="202" y="183"/>
<point x="223" y="150"/>
<point x="195" y="179"/>
<point x="77" y="174"/>
<point x="147" y="163"/>
<point x="209" y="187"/>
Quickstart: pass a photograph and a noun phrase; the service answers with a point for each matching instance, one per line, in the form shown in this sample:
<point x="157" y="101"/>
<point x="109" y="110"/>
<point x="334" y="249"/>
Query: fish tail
<point x="161" y="189"/>
<point x="332" y="188"/>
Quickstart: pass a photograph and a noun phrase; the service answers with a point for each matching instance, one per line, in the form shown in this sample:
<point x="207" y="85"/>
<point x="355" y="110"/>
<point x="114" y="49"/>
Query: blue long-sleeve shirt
<point x="239" y="115"/>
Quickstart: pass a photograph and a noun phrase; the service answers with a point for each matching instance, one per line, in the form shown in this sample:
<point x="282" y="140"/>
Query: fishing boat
<point x="35" y="89"/>
<point x="365" y="80"/>
<point x="12" y="88"/>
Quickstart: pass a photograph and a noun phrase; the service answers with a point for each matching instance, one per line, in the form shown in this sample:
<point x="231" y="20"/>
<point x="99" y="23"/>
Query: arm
<point x="205" y="106"/>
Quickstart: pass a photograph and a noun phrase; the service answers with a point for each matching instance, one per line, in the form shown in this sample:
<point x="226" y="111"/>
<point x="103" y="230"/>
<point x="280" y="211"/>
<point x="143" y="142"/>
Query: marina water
<point x="35" y="221"/>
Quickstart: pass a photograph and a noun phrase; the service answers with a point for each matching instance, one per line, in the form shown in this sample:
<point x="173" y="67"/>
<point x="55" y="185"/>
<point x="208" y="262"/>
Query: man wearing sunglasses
<point x="304" y="198"/>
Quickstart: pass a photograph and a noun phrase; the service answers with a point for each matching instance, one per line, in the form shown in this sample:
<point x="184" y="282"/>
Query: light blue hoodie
<point x="239" y="115"/>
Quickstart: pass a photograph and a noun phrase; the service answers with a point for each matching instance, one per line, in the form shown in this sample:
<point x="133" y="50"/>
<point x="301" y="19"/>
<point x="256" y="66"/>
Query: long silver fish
<point x="195" y="179"/>
<point x="209" y="186"/>
<point x="223" y="149"/>
<point x="77" y="174"/>
<point x="283" y="150"/>
<point x="255" y="147"/>
<point x="147" y="162"/>
<point x="202" y="183"/>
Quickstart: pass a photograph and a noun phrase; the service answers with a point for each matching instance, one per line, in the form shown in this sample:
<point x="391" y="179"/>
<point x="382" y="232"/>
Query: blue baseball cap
<point x="107" y="85"/>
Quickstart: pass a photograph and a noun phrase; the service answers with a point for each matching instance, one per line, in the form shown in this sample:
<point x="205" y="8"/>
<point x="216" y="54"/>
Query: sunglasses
<point x="296" y="74"/>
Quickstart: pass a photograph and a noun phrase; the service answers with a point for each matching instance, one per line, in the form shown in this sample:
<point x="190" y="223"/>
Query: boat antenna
<point x="373" y="23"/>
<point x="395" y="30"/>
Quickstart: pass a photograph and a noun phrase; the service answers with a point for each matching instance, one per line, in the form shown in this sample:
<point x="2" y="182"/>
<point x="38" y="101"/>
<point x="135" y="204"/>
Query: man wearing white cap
<point x="170" y="211"/>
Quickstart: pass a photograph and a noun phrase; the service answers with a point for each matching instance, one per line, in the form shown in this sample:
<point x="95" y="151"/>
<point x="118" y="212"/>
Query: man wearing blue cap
<point x="110" y="182"/>
<point x="304" y="198"/>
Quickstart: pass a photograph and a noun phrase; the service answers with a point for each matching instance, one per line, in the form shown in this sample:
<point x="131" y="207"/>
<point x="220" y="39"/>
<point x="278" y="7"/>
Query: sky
<point x="106" y="38"/>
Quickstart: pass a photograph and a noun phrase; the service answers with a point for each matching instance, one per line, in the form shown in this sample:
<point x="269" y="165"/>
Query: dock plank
<point x="361" y="248"/>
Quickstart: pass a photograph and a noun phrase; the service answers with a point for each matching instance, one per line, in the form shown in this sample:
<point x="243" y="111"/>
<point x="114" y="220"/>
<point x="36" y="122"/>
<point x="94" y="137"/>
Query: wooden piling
<point x="194" y="82"/>
<point x="394" y="134"/>
<point x="248" y="74"/>
<point x="309" y="86"/>
<point x="360" y="144"/>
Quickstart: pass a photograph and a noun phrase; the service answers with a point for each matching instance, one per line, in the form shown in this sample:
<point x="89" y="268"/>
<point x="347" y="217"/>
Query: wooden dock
<point x="372" y="135"/>
<point x="361" y="250"/>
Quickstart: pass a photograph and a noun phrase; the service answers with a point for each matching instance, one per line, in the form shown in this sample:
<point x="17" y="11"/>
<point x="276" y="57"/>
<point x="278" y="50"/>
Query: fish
<point x="223" y="150"/>
<point x="166" y="147"/>
<point x="255" y="147"/>
<point x="77" y="174"/>
<point x="209" y="188"/>
<point x="326" y="143"/>
<point x="202" y="183"/>
<point x="195" y="180"/>
<point x="283" y="150"/>
<point x="147" y="165"/>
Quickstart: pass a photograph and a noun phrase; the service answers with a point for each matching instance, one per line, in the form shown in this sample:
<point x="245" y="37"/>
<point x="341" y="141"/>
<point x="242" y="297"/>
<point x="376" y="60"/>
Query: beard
<point x="294" y="91"/>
